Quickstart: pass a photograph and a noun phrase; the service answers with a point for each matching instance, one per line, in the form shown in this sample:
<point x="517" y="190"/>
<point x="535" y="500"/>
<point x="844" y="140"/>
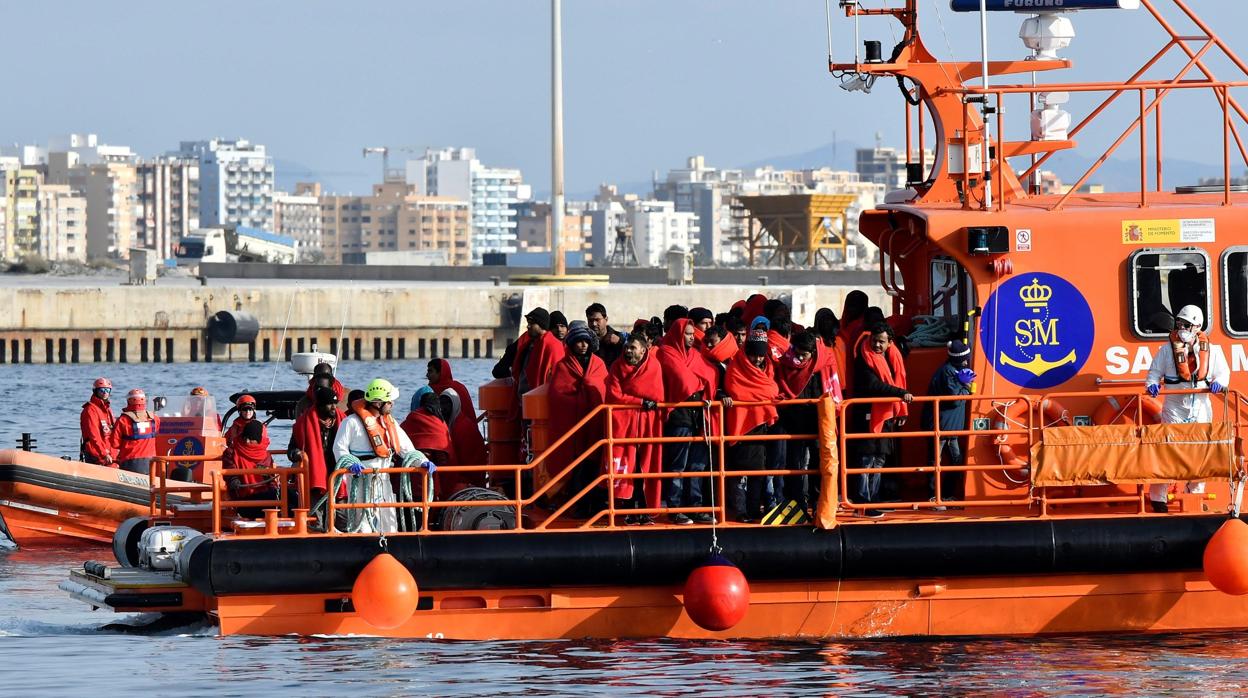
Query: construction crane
<point x="388" y="175"/>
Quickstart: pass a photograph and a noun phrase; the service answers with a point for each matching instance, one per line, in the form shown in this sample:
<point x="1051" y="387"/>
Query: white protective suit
<point x="1183" y="409"/>
<point x="352" y="440"/>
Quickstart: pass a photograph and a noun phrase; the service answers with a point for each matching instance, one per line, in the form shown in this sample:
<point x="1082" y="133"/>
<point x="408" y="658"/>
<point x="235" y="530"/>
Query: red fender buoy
<point x="385" y="593"/>
<point x="1226" y="558"/>
<point x="717" y="594"/>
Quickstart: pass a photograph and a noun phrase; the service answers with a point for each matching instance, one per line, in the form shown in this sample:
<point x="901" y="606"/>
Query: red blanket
<point x="243" y="455"/>
<point x="306" y="436"/>
<point x="778" y="343"/>
<point x="541" y="360"/>
<point x="428" y="433"/>
<point x="629" y="385"/>
<point x="469" y="444"/>
<point x="574" y="392"/>
<point x="891" y="369"/>
<point x="745" y="382"/>
<point x="683" y="368"/>
<point x="794" y="378"/>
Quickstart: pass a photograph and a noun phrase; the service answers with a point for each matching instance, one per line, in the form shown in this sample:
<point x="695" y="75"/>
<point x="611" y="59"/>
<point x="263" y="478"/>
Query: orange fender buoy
<point x="717" y="594"/>
<point x="385" y="593"/>
<point x="1226" y="558"/>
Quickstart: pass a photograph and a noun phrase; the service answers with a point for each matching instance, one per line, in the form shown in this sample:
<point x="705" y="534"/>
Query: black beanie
<point x="700" y="314"/>
<point x="558" y="318"/>
<point x="253" y="430"/>
<point x="540" y="317"/>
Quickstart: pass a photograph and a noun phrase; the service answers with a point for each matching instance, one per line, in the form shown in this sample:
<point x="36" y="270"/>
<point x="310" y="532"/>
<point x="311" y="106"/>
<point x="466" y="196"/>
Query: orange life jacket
<point x="1196" y="367"/>
<point x="382" y="430"/>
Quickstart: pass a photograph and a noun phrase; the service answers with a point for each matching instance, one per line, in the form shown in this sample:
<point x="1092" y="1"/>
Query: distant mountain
<point x="1124" y="175"/>
<point x="838" y="155"/>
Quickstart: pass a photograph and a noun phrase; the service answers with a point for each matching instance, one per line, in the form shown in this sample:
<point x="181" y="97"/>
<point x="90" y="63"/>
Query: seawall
<point x="83" y="323"/>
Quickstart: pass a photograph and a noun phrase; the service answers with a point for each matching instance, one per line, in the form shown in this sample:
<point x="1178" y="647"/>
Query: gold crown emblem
<point x="1035" y="295"/>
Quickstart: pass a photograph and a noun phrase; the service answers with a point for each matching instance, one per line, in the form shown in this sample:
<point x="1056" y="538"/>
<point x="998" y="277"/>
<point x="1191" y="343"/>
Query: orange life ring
<point x="1115" y="411"/>
<point x="1052" y="412"/>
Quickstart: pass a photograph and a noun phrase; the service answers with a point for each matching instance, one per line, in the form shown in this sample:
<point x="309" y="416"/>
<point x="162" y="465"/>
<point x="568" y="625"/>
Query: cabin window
<point x="1163" y="281"/>
<point x="1235" y="291"/>
<point x="950" y="290"/>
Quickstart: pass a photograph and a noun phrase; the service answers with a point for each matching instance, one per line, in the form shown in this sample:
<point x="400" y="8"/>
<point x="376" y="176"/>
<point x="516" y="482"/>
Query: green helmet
<point x="381" y="390"/>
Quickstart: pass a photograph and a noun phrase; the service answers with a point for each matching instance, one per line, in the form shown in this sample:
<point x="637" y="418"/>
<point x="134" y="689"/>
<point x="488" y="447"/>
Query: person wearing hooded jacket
<point x="685" y="379"/>
<point x="578" y="385"/>
<point x="96" y="423"/>
<point x="1186" y="361"/>
<point x="953" y="378"/>
<point x="469" y="444"/>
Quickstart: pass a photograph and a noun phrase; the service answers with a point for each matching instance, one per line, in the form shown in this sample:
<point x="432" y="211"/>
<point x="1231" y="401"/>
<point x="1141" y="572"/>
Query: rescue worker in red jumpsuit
<point x="96" y="422"/>
<point x="134" y="434"/>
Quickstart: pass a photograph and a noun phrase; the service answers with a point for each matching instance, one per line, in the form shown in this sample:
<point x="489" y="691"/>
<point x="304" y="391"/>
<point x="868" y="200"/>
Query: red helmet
<point x="102" y="383"/>
<point x="246" y="400"/>
<point x="136" y="399"/>
<point x="199" y="391"/>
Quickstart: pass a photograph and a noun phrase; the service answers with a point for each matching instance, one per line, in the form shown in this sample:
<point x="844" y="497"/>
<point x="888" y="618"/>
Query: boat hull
<point x="48" y="501"/>
<point x="980" y="606"/>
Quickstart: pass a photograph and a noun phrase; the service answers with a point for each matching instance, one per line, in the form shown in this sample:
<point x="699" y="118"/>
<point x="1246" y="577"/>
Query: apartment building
<point x="235" y="182"/>
<point x="168" y="203"/>
<point x="492" y="193"/>
<point x="298" y="215"/>
<point x="395" y="217"/>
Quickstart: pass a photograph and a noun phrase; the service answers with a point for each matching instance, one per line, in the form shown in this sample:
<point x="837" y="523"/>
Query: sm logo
<point x="1038" y="330"/>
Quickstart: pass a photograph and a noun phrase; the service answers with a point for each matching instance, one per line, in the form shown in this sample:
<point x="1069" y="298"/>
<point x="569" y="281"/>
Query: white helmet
<point x="1192" y="314"/>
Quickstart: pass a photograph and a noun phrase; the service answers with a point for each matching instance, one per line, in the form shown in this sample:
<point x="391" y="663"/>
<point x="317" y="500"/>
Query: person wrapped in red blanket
<point x="636" y="378"/>
<point x="250" y="451"/>
<point x="426" y="426"/>
<point x="312" y="437"/>
<point x="807" y="371"/>
<point x="879" y="371"/>
<point x="751" y="378"/>
<point x="466" y="435"/>
<point x="577" y="386"/>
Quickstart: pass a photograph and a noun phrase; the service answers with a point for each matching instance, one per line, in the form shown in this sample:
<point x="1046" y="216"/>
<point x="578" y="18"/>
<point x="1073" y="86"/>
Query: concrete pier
<point x="80" y="321"/>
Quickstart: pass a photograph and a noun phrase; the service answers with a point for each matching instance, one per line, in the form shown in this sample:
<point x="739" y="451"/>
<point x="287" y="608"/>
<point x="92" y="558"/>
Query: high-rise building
<point x="298" y="215"/>
<point x="533" y="229"/>
<point x="658" y="228"/>
<point x="235" y="182"/>
<point x="42" y="219"/>
<point x="885" y="165"/>
<point x="107" y="176"/>
<point x="168" y="206"/>
<point x="395" y="218"/>
<point x="492" y="193"/>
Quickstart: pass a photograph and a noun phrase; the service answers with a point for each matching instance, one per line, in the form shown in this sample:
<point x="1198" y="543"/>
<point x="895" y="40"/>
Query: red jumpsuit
<point x="134" y="437"/>
<point x="96" y="422"/>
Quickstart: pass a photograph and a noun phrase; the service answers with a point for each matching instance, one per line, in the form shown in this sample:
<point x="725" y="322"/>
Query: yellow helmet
<point x="381" y="390"/>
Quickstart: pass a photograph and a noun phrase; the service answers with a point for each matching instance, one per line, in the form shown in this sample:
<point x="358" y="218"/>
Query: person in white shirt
<point x="1185" y="362"/>
<point x="370" y="439"/>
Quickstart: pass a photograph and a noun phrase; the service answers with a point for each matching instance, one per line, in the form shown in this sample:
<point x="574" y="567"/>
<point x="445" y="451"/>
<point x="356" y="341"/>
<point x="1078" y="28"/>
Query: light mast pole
<point x="558" y="265"/>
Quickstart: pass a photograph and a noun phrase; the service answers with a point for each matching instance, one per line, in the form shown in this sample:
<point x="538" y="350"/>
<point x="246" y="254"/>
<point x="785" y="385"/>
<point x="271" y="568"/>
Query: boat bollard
<point x="301" y="522"/>
<point x="270" y="522"/>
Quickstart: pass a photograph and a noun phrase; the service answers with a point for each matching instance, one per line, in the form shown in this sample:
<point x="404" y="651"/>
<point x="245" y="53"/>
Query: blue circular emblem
<point x="188" y="446"/>
<point x="1038" y="330"/>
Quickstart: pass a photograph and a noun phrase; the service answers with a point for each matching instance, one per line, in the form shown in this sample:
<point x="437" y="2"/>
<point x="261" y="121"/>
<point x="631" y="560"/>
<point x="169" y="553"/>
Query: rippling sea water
<point x="50" y="645"/>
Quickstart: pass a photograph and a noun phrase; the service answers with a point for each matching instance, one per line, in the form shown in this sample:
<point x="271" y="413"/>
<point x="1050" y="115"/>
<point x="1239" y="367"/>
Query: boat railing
<point x="1001" y="427"/>
<point x="215" y="492"/>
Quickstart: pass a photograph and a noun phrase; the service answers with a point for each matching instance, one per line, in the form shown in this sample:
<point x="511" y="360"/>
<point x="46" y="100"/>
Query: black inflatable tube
<point x="330" y="565"/>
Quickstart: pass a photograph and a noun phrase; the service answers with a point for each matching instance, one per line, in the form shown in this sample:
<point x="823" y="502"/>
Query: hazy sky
<point x="648" y="82"/>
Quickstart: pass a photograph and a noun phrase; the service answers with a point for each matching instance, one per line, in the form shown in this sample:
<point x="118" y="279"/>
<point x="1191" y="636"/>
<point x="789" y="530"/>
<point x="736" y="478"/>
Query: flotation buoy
<point x="1226" y="558"/>
<point x="1123" y="411"/>
<point x="385" y="593"/>
<point x="717" y="594"/>
<point x="1052" y="413"/>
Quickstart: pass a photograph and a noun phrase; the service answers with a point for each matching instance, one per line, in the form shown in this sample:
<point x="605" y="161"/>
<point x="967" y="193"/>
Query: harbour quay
<point x="101" y="319"/>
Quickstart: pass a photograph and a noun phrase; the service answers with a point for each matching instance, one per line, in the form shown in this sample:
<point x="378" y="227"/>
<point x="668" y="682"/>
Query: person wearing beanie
<point x="954" y="377"/>
<point x="537" y="352"/>
<point x="672" y="313"/>
<point x="577" y="386"/>
<point x="702" y="318"/>
<point x="751" y="378"/>
<point x="312" y="438"/>
<point x="559" y="325"/>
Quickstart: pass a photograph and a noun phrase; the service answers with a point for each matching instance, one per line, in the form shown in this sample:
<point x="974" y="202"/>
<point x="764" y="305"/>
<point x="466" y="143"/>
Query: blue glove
<point x="429" y="467"/>
<point x="349" y="462"/>
<point x="966" y="376"/>
<point x="1153" y="389"/>
<point x="1216" y="387"/>
<point x="356" y="468"/>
